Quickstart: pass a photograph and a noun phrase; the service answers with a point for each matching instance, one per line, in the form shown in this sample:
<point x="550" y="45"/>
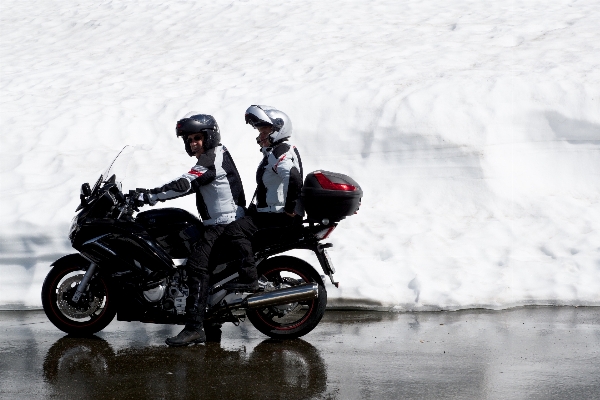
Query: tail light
<point x="326" y="183"/>
<point x="324" y="233"/>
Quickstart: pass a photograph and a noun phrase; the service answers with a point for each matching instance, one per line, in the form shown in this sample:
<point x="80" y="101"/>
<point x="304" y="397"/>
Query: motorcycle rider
<point x="220" y="200"/>
<point x="279" y="180"/>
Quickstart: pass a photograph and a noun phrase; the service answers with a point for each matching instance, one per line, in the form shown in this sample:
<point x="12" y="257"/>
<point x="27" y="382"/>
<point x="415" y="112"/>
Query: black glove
<point x="132" y="199"/>
<point x="141" y="197"/>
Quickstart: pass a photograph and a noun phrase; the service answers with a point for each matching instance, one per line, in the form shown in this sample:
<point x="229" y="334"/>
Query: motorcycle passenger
<point x="220" y="200"/>
<point x="279" y="183"/>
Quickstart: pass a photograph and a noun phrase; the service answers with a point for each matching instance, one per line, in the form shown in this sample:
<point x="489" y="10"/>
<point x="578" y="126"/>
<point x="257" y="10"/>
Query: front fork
<point x="84" y="282"/>
<point x="325" y="261"/>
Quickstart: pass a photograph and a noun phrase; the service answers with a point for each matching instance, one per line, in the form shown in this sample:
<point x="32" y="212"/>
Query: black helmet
<point x="194" y="122"/>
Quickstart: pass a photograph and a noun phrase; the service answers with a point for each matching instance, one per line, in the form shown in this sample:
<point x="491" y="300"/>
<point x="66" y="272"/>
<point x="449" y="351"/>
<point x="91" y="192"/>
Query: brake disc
<point x="84" y="308"/>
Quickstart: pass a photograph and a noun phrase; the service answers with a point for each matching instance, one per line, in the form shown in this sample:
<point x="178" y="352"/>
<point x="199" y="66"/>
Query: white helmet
<point x="258" y="116"/>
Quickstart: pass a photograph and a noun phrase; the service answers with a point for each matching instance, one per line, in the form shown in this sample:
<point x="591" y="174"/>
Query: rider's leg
<point x="198" y="285"/>
<point x="239" y="234"/>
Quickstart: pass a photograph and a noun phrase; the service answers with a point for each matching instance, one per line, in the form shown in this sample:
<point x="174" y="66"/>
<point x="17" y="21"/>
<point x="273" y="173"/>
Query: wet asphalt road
<point x="525" y="353"/>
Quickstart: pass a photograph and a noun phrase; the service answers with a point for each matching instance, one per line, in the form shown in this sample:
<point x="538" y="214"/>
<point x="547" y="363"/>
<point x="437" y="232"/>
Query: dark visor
<point x="255" y="121"/>
<point x="187" y="126"/>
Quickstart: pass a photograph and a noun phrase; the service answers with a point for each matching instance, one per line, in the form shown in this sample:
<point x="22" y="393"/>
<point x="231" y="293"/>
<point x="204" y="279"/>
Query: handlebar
<point x="132" y="200"/>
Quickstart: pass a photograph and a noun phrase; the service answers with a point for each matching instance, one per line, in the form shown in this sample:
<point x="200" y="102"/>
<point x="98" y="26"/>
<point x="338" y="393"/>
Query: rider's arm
<point x="187" y="183"/>
<point x="292" y="180"/>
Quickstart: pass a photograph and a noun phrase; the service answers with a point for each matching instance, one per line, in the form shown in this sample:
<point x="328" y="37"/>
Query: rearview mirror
<point x="85" y="190"/>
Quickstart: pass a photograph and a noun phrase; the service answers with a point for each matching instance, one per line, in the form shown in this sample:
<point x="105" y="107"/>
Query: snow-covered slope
<point x="472" y="126"/>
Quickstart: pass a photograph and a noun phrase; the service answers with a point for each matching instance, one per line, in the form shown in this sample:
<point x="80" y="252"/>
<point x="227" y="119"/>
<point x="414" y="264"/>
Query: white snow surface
<point x="473" y="128"/>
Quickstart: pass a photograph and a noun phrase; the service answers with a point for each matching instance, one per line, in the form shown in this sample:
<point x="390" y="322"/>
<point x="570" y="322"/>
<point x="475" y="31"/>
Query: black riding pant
<point x="198" y="275"/>
<point x="238" y="235"/>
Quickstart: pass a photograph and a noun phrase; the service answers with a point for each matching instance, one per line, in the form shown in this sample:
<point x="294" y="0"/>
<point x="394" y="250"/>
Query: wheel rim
<point x="90" y="307"/>
<point x="294" y="314"/>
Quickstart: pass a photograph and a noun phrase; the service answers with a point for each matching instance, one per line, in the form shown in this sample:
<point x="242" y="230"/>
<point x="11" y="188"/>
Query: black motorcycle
<point x="134" y="266"/>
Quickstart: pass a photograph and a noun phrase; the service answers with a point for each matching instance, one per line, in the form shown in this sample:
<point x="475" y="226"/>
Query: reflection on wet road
<point x="539" y="353"/>
<point x="79" y="367"/>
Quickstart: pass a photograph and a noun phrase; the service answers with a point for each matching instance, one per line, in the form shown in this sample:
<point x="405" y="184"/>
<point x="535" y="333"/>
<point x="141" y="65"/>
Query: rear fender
<point x="317" y="276"/>
<point x="325" y="261"/>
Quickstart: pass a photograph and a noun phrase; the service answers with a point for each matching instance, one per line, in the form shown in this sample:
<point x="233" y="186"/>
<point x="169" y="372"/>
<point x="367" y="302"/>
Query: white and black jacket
<point x="279" y="180"/>
<point x="215" y="180"/>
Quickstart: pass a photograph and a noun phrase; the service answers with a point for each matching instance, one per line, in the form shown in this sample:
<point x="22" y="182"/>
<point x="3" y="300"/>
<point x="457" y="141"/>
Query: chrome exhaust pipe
<point x="293" y="294"/>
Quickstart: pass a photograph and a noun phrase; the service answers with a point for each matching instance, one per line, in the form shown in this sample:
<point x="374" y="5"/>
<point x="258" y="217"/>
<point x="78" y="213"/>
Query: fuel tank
<point x="176" y="230"/>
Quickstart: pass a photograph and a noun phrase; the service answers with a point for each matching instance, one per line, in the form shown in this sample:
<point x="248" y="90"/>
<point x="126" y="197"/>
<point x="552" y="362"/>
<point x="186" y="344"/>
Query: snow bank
<point x="473" y="128"/>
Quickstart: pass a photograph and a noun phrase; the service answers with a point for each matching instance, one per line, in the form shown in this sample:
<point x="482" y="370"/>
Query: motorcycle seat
<point x="263" y="239"/>
<point x="276" y="236"/>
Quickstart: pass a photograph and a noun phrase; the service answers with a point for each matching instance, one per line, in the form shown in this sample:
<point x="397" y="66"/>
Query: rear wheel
<point x="95" y="309"/>
<point x="292" y="320"/>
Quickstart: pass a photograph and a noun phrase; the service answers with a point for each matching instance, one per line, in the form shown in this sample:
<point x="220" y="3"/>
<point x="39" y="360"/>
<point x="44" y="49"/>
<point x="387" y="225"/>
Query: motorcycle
<point x="133" y="265"/>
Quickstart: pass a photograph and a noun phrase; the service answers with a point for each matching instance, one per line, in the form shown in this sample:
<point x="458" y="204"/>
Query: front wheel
<point x="95" y="309"/>
<point x="289" y="321"/>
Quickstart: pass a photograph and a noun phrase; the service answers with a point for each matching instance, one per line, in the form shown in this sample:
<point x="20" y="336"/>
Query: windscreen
<point x="118" y="167"/>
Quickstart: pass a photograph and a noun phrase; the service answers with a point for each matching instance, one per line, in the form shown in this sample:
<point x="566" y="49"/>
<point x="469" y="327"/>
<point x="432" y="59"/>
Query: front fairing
<point x="105" y="232"/>
<point x="122" y="248"/>
<point x="100" y="204"/>
<point x="105" y="192"/>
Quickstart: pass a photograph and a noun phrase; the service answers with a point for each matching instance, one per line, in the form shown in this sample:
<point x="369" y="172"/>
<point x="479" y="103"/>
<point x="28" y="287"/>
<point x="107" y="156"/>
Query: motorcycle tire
<point x="94" y="311"/>
<point x="289" y="321"/>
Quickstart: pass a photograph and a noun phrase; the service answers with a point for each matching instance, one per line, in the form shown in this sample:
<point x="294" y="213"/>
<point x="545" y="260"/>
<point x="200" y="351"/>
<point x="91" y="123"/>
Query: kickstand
<point x="234" y="320"/>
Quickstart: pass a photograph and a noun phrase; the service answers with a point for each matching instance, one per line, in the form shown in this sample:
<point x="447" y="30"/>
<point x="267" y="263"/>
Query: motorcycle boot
<point x="195" y="308"/>
<point x="195" y="304"/>
<point x="187" y="336"/>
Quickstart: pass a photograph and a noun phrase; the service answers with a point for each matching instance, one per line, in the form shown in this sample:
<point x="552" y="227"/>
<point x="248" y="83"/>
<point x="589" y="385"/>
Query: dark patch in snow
<point x="573" y="131"/>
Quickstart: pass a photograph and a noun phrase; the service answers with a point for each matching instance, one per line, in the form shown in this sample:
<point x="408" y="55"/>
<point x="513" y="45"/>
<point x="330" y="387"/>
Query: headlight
<point x="74" y="227"/>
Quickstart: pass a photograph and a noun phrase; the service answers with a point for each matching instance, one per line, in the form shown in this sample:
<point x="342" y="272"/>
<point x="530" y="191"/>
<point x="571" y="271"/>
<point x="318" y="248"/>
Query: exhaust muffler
<point x="294" y="294"/>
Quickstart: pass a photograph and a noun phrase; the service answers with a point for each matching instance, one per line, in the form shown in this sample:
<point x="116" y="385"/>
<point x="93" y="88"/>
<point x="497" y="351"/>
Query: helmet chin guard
<point x="259" y="116"/>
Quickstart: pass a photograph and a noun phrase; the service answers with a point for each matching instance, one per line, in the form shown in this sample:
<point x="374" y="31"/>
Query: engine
<point x="171" y="293"/>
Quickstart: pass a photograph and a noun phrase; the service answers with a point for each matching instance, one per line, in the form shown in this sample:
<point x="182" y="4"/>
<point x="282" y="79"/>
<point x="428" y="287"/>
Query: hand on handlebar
<point x="136" y="198"/>
<point x="143" y="196"/>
